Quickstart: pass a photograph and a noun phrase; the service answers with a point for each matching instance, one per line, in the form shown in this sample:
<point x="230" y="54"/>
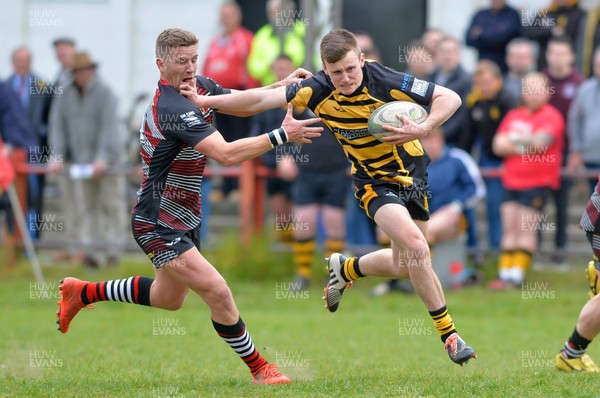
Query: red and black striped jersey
<point x="590" y="220"/>
<point x="169" y="195"/>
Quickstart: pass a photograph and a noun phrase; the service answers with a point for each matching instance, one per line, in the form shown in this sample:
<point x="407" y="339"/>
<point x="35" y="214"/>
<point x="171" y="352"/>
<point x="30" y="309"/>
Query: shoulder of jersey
<point x="376" y="69"/>
<point x="202" y="80"/>
<point x="171" y="101"/>
<point x="321" y="79"/>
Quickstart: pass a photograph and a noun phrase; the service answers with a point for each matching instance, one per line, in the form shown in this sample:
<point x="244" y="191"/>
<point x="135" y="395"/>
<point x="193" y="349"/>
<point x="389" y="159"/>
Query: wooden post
<point x="259" y="198"/>
<point x="247" y="178"/>
<point x="19" y="158"/>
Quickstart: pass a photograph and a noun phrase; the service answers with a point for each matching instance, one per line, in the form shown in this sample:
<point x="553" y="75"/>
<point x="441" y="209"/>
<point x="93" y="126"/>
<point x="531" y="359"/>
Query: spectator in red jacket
<point x="530" y="139"/>
<point x="225" y="63"/>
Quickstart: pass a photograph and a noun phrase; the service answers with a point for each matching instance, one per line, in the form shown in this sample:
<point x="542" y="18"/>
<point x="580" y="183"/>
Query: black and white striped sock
<point x="576" y="346"/>
<point x="134" y="290"/>
<point x="240" y="341"/>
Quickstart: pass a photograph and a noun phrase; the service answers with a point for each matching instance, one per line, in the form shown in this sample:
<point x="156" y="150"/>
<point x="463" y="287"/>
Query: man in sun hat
<point x="86" y="133"/>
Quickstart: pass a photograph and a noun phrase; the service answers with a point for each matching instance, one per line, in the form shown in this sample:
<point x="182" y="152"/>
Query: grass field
<point x="384" y="347"/>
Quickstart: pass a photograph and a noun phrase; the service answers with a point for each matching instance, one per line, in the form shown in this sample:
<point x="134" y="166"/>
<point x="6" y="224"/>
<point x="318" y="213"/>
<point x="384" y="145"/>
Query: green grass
<point x="385" y="347"/>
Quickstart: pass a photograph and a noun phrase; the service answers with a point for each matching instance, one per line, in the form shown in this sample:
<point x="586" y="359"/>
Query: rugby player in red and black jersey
<point x="176" y="139"/>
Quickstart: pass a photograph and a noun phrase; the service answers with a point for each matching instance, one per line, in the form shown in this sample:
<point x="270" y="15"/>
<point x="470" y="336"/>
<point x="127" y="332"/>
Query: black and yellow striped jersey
<point x="373" y="161"/>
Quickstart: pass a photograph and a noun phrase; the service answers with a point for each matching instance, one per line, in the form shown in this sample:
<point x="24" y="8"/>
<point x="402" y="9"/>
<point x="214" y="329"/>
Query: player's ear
<point x="324" y="68"/>
<point x="361" y="59"/>
<point x="160" y="64"/>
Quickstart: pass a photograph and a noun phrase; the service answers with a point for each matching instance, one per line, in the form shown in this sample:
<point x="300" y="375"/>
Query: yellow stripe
<point x="369" y="195"/>
<point x="305" y="245"/>
<point x="334" y="246"/>
<point x="588" y="46"/>
<point x="505" y="260"/>
<point x="522" y="260"/>
<point x="444" y="324"/>
<point x="351" y="273"/>
<point x="302" y="96"/>
<point x="400" y="96"/>
<point x="303" y="258"/>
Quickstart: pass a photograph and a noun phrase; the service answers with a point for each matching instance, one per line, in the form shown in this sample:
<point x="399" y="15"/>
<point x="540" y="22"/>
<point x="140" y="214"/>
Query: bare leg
<point x="411" y="255"/>
<point x="192" y="271"/>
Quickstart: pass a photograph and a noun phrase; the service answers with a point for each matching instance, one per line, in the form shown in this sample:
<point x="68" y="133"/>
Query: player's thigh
<point x="195" y="272"/>
<point x="397" y="223"/>
<point x="176" y="254"/>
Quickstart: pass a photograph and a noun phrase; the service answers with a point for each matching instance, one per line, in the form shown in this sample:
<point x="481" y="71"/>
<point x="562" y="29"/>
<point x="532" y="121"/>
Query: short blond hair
<point x="169" y="39"/>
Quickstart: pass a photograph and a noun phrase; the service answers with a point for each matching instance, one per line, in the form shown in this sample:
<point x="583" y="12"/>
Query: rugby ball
<point x="386" y="115"/>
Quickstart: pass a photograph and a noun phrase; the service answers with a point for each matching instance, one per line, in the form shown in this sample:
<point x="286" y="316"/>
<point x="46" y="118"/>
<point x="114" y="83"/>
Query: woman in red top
<point x="530" y="139"/>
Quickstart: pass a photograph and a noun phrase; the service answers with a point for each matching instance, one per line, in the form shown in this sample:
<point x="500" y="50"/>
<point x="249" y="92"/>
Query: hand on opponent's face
<point x="187" y="88"/>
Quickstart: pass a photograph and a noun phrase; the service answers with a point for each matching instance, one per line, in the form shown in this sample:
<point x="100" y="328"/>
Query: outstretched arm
<point x="248" y="102"/>
<point x="232" y="153"/>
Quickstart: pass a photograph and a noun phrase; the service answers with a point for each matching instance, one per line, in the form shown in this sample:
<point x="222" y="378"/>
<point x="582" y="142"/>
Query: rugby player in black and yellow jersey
<point x="390" y="177"/>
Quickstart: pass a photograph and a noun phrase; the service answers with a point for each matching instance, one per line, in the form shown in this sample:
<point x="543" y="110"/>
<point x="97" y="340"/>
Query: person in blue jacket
<point x="491" y="29"/>
<point x="15" y="132"/>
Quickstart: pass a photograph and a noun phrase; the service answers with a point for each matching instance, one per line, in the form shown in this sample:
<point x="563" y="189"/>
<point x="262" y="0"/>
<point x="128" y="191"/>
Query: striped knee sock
<point x="239" y="339"/>
<point x="576" y="346"/>
<point x="304" y="254"/>
<point x="443" y="322"/>
<point x="505" y="262"/>
<point x="334" y="246"/>
<point x="522" y="258"/>
<point x="134" y="290"/>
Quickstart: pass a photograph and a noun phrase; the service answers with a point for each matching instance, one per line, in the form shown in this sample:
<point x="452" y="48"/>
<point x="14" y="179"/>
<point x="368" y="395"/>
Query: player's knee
<point x="173" y="305"/>
<point x="418" y="248"/>
<point x="220" y="292"/>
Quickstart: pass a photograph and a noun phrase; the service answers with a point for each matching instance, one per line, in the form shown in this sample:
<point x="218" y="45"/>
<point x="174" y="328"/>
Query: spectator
<point x="35" y="96"/>
<point x="419" y="60"/>
<point x="282" y="35"/>
<point x="584" y="124"/>
<point x="521" y="55"/>
<point x="225" y="63"/>
<point x="588" y="38"/>
<point x="64" y="48"/>
<point x="455" y="185"/>
<point x="492" y="29"/>
<point x="85" y="131"/>
<point x="487" y="105"/>
<point x="364" y="41"/>
<point x="15" y="132"/>
<point x="563" y="80"/>
<point x="449" y="73"/>
<point x="560" y="19"/>
<point x="431" y="38"/>
<point x="321" y="181"/>
<point x="530" y="139"/>
<point x="366" y="45"/>
<point x="278" y="189"/>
